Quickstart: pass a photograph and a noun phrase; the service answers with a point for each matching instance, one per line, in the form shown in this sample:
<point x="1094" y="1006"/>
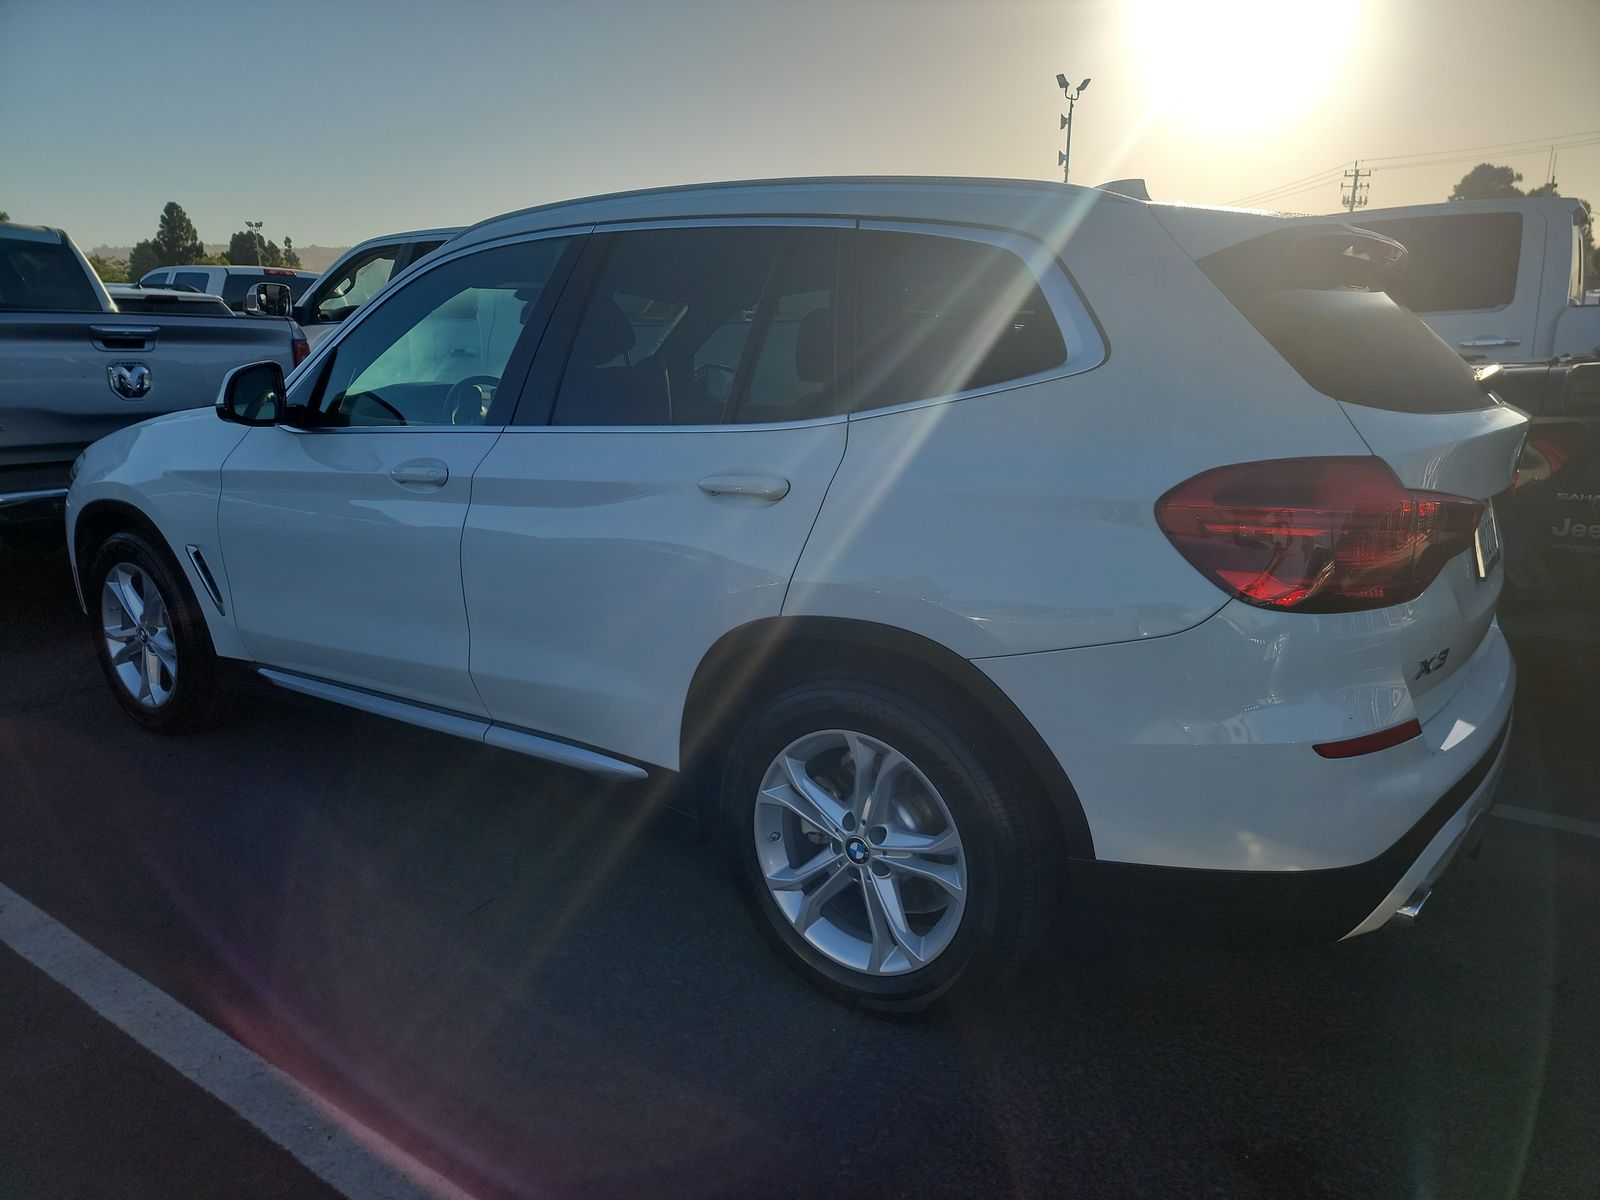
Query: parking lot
<point x="537" y="987"/>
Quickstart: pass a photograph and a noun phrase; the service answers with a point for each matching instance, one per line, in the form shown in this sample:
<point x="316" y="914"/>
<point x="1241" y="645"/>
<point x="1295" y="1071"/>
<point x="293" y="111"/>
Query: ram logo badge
<point x="1429" y="665"/>
<point x="130" y="380"/>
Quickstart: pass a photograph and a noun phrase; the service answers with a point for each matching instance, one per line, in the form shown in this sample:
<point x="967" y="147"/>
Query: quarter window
<point x="435" y="351"/>
<point x="701" y="326"/>
<point x="939" y="315"/>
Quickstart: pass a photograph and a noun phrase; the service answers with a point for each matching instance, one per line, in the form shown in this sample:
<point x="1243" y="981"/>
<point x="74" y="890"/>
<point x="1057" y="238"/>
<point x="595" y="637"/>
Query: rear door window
<point x="1465" y="263"/>
<point x="706" y="326"/>
<point x="937" y="315"/>
<point x="197" y="281"/>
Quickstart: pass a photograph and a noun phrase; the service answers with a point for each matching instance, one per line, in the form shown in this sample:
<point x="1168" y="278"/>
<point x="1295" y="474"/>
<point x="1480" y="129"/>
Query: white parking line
<point x="1534" y="816"/>
<point x="338" y="1149"/>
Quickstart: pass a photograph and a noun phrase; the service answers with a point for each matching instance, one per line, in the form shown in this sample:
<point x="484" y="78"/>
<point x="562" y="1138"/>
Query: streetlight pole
<point x="1064" y="158"/>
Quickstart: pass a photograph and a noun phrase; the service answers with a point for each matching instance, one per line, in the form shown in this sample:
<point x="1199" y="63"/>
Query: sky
<point x="337" y="120"/>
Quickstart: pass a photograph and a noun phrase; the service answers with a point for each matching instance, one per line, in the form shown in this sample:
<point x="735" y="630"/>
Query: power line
<point x="1440" y="158"/>
<point x="1264" y="192"/>
<point x="1540" y="143"/>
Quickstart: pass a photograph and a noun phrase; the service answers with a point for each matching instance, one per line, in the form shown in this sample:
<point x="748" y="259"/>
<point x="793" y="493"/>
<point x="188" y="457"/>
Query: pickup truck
<point x="73" y="368"/>
<point x="1504" y="282"/>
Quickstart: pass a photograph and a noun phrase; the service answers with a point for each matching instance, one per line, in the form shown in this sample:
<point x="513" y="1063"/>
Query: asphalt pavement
<point x="536" y="986"/>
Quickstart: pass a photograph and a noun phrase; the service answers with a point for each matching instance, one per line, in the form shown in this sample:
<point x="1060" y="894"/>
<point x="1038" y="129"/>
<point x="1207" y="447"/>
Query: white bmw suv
<point x="976" y="548"/>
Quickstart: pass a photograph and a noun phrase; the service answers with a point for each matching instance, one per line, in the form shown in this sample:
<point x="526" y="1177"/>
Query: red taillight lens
<point x="301" y="350"/>
<point x="1315" y="534"/>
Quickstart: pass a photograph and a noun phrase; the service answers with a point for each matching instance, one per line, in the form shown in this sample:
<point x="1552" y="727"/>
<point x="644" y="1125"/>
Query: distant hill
<point x="312" y="258"/>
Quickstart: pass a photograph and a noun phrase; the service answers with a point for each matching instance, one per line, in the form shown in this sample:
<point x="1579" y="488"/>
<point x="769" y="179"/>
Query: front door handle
<point x="421" y="473"/>
<point x="1488" y="342"/>
<point x="757" y="487"/>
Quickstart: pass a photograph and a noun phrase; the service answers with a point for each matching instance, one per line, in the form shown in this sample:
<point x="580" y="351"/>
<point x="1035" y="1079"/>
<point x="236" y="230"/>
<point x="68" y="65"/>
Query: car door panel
<point x="602" y="558"/>
<point x="599" y="572"/>
<point x="343" y="555"/>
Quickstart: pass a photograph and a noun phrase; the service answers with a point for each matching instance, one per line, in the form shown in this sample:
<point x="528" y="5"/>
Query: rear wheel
<point x="880" y="838"/>
<point x="152" y="641"/>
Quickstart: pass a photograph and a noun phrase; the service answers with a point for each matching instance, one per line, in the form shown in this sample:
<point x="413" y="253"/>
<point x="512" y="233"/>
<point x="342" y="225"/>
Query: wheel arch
<point x="98" y="520"/>
<point x="761" y="654"/>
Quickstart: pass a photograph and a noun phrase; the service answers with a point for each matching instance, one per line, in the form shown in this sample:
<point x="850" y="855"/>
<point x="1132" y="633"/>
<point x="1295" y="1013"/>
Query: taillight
<point x="1316" y="534"/>
<point x="301" y="350"/>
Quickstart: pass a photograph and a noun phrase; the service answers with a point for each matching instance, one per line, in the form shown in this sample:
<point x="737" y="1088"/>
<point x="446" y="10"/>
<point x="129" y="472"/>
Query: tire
<point x="173" y="681"/>
<point x="1000" y="856"/>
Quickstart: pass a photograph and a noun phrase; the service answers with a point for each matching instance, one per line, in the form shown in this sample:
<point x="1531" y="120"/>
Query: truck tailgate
<point x="67" y="379"/>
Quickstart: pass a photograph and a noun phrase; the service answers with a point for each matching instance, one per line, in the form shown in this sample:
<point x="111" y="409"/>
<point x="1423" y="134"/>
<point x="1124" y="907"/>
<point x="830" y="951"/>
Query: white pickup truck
<point x="1505" y="283"/>
<point x="1500" y="280"/>
<point x="73" y="368"/>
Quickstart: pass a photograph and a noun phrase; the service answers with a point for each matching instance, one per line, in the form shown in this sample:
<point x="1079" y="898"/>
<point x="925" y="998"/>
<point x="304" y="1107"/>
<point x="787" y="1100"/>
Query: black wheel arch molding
<point x="769" y="650"/>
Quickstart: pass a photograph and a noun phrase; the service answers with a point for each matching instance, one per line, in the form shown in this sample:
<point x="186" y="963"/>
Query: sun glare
<point x="1241" y="65"/>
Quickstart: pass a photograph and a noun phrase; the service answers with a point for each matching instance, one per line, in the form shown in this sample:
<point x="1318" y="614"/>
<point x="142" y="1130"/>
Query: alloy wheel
<point x="138" y="632"/>
<point x="860" y="852"/>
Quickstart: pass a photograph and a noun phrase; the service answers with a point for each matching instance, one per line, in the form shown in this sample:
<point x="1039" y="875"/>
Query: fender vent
<point x="202" y="570"/>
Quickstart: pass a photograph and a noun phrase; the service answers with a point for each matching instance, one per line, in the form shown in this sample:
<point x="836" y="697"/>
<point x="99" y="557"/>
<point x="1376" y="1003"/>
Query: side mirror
<point x="252" y="394"/>
<point x="269" y="300"/>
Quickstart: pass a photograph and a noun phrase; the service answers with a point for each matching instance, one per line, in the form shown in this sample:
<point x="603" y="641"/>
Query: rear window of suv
<point x="1317" y="296"/>
<point x="1465" y="263"/>
<point x="939" y="315"/>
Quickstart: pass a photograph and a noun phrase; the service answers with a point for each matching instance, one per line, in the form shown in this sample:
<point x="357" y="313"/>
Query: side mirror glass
<point x="269" y="300"/>
<point x="252" y="394"/>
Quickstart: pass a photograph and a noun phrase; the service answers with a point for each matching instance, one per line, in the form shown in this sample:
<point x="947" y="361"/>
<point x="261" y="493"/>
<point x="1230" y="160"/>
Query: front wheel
<point x="881" y="840"/>
<point x="152" y="641"/>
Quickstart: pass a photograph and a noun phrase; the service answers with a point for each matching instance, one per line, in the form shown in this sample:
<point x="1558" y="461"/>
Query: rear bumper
<point x="1323" y="905"/>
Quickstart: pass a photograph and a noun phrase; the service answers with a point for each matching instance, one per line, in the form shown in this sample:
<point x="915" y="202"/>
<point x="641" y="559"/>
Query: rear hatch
<point x="1314" y="289"/>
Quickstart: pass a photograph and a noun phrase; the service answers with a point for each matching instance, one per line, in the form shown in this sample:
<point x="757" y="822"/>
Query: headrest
<point x="813" y="346"/>
<point x="606" y="333"/>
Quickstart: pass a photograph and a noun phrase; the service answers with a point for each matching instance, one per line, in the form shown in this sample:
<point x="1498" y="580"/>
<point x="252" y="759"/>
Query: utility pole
<point x="1064" y="157"/>
<point x="1357" y="196"/>
<point x="255" y="230"/>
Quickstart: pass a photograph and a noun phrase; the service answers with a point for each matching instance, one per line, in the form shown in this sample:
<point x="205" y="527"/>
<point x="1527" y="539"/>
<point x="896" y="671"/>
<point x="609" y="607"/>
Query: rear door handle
<point x="758" y="487"/>
<point x="421" y="473"/>
<point x="1488" y="342"/>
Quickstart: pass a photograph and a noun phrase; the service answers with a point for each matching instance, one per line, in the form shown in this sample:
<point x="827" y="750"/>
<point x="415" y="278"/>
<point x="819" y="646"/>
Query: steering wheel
<point x="467" y="402"/>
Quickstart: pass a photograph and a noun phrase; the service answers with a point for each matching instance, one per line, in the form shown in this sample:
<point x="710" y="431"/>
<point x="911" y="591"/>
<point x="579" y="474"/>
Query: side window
<point x="356" y="283"/>
<point x="434" y="351"/>
<point x="1460" y="263"/>
<point x="197" y="281"/>
<point x="936" y="315"/>
<point x="155" y="279"/>
<point x="701" y="326"/>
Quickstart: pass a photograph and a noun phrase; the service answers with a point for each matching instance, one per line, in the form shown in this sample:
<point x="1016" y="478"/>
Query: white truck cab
<point x="1503" y="281"/>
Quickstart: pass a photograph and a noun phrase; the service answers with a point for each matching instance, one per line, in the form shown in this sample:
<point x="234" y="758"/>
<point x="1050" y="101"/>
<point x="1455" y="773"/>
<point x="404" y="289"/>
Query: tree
<point x="243" y="249"/>
<point x="176" y="241"/>
<point x="1487" y="182"/>
<point x="142" y="259"/>
<point x="290" y="258"/>
<point x="4" y="215"/>
<point x="110" y="270"/>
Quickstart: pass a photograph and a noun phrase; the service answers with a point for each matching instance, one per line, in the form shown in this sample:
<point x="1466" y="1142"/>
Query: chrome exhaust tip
<point x="1408" y="912"/>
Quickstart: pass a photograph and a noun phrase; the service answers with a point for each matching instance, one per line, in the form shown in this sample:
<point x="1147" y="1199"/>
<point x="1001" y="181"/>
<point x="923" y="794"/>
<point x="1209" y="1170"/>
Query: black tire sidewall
<point x="194" y="695"/>
<point x="947" y="757"/>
